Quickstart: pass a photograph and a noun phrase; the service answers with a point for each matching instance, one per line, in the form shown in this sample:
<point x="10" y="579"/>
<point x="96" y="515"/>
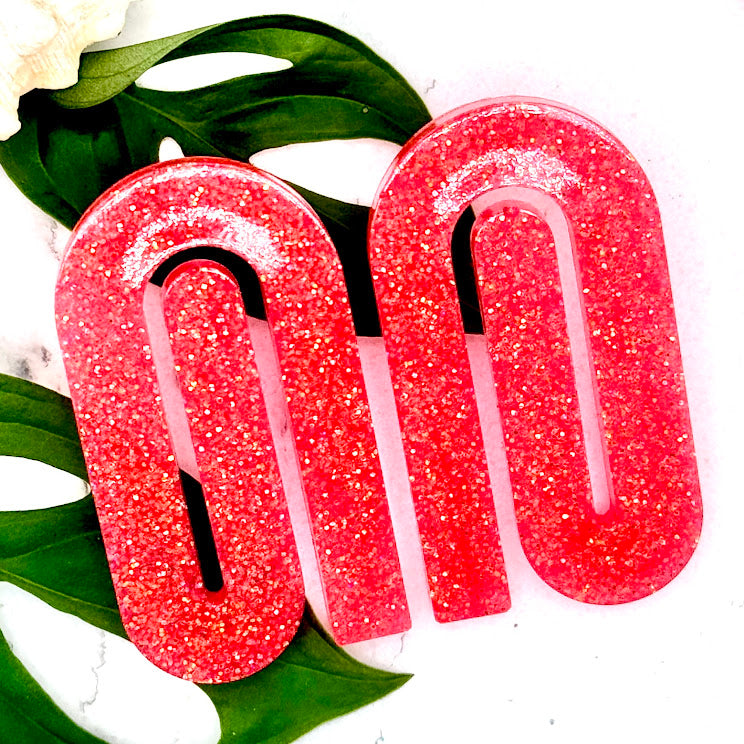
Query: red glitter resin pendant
<point x="117" y="370"/>
<point x="655" y="515"/>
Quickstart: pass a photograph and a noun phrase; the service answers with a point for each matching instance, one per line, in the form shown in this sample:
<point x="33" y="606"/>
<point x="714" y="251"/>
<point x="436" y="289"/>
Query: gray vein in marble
<point x="54" y="235"/>
<point x="21" y="367"/>
<point x="31" y="361"/>
<point x="36" y="362"/>
<point x="96" y="668"/>
<point x="401" y="649"/>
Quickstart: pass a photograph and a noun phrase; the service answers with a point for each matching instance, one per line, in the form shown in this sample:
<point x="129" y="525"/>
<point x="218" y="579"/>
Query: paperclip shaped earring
<point x="652" y="526"/>
<point x="183" y="626"/>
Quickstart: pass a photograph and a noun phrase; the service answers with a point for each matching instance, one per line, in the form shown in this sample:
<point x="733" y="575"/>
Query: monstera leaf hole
<point x="169" y="149"/>
<point x="30" y="484"/>
<point x="208" y="69"/>
<point x="349" y="170"/>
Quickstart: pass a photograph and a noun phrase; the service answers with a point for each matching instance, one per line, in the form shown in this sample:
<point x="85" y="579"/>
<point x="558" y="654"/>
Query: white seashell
<point x="40" y="45"/>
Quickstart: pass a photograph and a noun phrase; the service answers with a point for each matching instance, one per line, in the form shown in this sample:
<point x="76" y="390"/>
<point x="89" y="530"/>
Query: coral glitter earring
<point x="653" y="524"/>
<point x="235" y="622"/>
<point x="168" y="612"/>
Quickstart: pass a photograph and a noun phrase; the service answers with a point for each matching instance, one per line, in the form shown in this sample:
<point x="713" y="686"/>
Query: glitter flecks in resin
<point x="641" y="542"/>
<point x="134" y="473"/>
<point x="653" y="524"/>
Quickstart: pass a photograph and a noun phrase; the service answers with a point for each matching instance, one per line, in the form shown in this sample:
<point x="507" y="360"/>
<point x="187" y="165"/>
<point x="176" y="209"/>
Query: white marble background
<point x="666" y="78"/>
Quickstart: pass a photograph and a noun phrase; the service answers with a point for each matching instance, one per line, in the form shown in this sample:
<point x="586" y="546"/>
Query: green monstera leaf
<point x="58" y="555"/>
<point x="75" y="143"/>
